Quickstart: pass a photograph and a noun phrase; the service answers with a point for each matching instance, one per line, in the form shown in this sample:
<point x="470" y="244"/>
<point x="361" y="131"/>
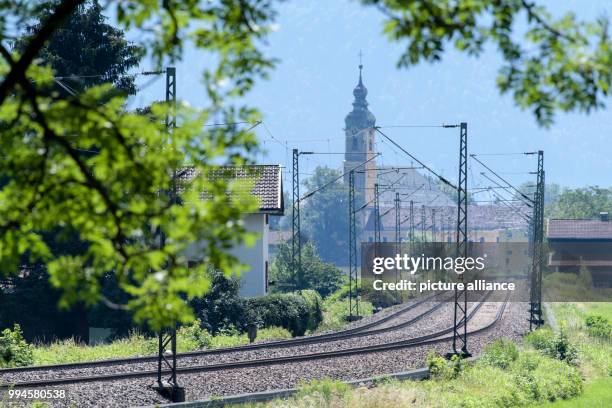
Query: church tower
<point x="359" y="134"/>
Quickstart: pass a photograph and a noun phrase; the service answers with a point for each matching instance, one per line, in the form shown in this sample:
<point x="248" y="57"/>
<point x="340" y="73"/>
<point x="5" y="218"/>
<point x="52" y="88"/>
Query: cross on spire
<point x="360" y="64"/>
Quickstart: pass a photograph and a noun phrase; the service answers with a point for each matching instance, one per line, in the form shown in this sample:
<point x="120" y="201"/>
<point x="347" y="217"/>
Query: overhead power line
<point x="501" y="178"/>
<point x="442" y="179"/>
<point x="338" y="178"/>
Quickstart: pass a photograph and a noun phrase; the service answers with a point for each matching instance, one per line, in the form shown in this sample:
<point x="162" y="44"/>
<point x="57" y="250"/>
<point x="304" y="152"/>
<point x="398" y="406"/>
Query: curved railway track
<point x="436" y="337"/>
<point x="369" y="328"/>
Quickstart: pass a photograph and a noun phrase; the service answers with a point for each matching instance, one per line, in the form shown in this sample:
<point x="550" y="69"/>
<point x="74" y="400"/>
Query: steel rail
<point x="414" y="342"/>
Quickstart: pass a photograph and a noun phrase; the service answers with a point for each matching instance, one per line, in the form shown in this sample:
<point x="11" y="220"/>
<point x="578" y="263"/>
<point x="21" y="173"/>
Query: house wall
<point x="253" y="281"/>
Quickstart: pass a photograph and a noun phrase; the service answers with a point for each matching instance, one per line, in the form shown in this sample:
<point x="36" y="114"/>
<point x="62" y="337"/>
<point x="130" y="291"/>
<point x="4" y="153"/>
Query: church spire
<point x="360" y="117"/>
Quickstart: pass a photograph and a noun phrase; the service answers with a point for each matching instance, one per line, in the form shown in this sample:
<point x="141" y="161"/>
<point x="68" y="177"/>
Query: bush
<point x="555" y="346"/>
<point x="221" y="308"/>
<point x="500" y="353"/>
<point x="321" y="276"/>
<point x="290" y="311"/>
<point x="14" y="350"/>
<point x="440" y="369"/>
<point x="313" y="301"/>
<point x="598" y="326"/>
<point x="544" y="379"/>
<point x="195" y="335"/>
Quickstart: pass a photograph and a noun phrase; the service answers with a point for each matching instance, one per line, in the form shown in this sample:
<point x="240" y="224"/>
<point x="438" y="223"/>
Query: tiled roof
<point x="579" y="229"/>
<point x="267" y="182"/>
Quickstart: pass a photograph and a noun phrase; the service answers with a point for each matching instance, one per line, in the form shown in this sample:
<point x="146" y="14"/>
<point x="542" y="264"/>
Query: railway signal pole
<point x="537" y="235"/>
<point x="166" y="359"/>
<point x="460" y="313"/>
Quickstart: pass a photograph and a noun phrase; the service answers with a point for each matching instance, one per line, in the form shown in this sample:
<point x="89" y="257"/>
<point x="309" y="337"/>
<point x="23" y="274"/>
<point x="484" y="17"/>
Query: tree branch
<point x="63" y="10"/>
<point x="531" y="12"/>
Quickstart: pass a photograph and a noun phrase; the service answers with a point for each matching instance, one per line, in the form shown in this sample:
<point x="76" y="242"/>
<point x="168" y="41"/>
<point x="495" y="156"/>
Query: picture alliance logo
<point x="412" y="265"/>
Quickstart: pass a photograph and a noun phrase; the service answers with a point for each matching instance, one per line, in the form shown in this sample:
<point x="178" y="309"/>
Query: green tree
<point x="585" y="202"/>
<point x="324" y="215"/>
<point x="98" y="53"/>
<point x="323" y="277"/>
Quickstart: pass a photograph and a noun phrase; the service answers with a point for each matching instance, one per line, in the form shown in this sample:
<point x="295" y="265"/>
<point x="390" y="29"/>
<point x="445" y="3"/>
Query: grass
<point x="68" y="351"/>
<point x="595" y="353"/>
<point x="527" y="378"/>
<point x="597" y="394"/>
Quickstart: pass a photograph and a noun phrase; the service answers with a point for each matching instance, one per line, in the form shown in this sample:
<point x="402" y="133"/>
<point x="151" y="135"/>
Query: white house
<point x="267" y="185"/>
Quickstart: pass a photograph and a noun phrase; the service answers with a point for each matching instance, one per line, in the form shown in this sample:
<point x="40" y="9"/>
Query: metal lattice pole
<point x="460" y="310"/>
<point x="376" y="216"/>
<point x="433" y="225"/>
<point x="397" y="231"/>
<point x="167" y="338"/>
<point x="296" y="243"/>
<point x="411" y="226"/>
<point x="353" y="285"/>
<point x="537" y="235"/>
<point x="423" y="221"/>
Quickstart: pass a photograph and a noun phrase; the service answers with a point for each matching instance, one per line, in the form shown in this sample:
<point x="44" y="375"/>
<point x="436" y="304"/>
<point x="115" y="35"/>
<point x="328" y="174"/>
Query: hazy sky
<point x="309" y="94"/>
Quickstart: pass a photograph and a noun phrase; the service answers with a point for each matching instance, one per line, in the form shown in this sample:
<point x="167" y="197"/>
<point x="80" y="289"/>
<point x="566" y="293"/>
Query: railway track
<point x="362" y="330"/>
<point x="436" y="337"/>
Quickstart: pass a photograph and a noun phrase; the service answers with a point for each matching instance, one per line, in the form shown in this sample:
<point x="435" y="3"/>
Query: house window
<point x="354" y="143"/>
<point x="482" y="240"/>
<point x="267" y="219"/>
